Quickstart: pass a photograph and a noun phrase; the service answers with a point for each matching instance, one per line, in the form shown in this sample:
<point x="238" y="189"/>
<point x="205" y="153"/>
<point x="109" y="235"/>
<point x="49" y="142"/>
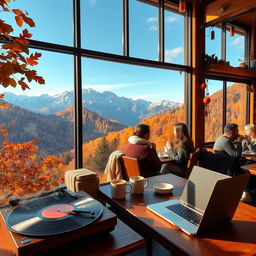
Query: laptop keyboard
<point x="185" y="213"/>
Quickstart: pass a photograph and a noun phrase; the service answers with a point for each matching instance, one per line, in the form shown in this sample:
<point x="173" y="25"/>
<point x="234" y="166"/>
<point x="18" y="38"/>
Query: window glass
<point x="236" y="104"/>
<point x="213" y="46"/>
<point x="117" y="97"/>
<point x="214" y="110"/>
<point x="174" y="37"/>
<point x="235" y="47"/>
<point x="143" y="28"/>
<point x="101" y="25"/>
<point x="40" y="128"/>
<point x="53" y="24"/>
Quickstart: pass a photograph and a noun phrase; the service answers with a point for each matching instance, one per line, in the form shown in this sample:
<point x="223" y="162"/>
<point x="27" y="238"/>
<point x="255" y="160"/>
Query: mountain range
<point x="55" y="132"/>
<point x="106" y="104"/>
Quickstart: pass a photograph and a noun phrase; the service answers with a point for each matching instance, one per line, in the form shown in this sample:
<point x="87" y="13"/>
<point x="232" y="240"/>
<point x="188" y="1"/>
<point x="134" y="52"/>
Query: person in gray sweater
<point x="230" y="142"/>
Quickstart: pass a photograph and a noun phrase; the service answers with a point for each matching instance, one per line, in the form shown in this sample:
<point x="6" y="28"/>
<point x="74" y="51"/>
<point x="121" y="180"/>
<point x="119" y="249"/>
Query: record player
<point x="53" y="220"/>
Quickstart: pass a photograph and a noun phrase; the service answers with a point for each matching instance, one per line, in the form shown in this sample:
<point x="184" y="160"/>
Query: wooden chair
<point x="130" y="167"/>
<point x="212" y="150"/>
<point x="193" y="160"/>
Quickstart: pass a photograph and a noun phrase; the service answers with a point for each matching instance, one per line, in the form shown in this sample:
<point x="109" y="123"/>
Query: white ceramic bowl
<point x="163" y="188"/>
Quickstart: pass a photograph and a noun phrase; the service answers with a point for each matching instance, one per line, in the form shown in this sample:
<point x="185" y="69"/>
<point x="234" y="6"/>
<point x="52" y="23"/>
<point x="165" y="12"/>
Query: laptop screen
<point x="199" y="187"/>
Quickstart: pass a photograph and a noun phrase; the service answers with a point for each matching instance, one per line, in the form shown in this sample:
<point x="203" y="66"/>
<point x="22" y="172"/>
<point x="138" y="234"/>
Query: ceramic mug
<point x="118" y="188"/>
<point x="138" y="184"/>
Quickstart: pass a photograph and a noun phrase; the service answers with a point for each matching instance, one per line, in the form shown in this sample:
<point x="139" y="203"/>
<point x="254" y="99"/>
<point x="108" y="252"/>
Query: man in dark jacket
<point x="139" y="147"/>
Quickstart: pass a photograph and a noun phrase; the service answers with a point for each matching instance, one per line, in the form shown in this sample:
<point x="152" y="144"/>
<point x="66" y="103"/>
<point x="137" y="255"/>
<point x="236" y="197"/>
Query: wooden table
<point x="237" y="237"/>
<point x="121" y="240"/>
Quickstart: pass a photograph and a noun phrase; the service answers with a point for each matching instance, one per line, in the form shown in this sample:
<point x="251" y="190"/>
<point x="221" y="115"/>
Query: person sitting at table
<point x="139" y="147"/>
<point x="179" y="151"/>
<point x="249" y="138"/>
<point x="230" y="142"/>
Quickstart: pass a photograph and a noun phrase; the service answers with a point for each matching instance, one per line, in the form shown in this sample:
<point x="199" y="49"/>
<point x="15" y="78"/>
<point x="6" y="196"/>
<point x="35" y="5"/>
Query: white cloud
<point x="152" y="19"/>
<point x="153" y="28"/>
<point x="170" y="19"/>
<point x="239" y="42"/>
<point x="92" y="2"/>
<point x="104" y="87"/>
<point x="173" y="54"/>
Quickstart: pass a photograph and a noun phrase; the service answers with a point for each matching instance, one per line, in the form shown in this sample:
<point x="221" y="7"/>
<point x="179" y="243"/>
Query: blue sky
<point x="102" y="31"/>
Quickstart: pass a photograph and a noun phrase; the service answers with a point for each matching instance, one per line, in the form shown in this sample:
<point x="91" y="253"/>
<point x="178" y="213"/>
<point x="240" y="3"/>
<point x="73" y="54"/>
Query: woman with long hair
<point x="249" y="141"/>
<point x="179" y="151"/>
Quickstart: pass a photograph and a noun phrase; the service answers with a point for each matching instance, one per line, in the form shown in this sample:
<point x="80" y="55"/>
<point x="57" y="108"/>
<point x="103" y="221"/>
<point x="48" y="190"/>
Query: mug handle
<point x="146" y="183"/>
<point x="130" y="185"/>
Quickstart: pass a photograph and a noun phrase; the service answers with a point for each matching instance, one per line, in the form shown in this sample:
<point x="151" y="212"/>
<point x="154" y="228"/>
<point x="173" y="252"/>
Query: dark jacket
<point x="149" y="162"/>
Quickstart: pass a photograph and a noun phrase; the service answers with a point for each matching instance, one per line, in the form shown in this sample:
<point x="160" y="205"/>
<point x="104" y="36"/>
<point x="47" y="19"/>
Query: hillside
<point x="55" y="132"/>
<point x="236" y="109"/>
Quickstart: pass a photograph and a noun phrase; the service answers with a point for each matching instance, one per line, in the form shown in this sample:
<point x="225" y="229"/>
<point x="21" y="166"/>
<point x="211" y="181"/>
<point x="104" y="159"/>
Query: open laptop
<point x="208" y="199"/>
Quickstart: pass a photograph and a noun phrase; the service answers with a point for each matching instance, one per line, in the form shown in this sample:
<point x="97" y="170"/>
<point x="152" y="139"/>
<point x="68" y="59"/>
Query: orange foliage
<point x="236" y="111"/>
<point x="12" y="60"/>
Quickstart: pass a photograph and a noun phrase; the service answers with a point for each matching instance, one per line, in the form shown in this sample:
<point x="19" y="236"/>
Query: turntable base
<point x="22" y="245"/>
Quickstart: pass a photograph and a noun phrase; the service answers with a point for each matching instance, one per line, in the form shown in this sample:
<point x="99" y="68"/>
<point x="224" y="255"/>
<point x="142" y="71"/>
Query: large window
<point x="116" y="92"/>
<point x="228" y="105"/>
<point x="40" y="128"/>
<point x="117" y="97"/>
<point x="225" y="45"/>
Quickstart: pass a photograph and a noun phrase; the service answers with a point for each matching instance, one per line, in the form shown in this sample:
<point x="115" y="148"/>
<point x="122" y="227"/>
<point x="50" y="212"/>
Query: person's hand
<point x="168" y="145"/>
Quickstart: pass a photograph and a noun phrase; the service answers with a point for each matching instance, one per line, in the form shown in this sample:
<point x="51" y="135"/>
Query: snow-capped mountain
<point x="106" y="104"/>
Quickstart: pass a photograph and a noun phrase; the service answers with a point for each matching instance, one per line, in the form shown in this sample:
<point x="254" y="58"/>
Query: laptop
<point x="208" y="199"/>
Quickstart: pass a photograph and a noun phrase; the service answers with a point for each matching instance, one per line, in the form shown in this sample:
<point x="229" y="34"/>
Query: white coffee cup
<point x="118" y="188"/>
<point x="138" y="184"/>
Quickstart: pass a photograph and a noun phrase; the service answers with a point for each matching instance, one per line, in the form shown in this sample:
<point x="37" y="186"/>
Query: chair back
<point x="193" y="160"/>
<point x="130" y="167"/>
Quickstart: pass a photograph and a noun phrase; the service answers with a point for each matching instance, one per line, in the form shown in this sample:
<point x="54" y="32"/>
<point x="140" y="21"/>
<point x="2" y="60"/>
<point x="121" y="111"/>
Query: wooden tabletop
<point x="237" y="237"/>
<point x="249" y="168"/>
<point x="121" y="240"/>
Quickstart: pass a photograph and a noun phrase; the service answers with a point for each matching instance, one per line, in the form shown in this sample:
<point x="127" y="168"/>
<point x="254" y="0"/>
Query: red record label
<point x="56" y="211"/>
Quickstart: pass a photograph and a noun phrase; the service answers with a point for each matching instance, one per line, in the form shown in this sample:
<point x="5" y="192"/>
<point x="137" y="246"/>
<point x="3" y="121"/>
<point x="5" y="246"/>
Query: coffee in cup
<point x="138" y="184"/>
<point x="118" y="188"/>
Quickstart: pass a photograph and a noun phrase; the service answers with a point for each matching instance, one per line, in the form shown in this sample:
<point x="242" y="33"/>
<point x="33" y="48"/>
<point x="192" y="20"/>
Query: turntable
<point x="52" y="221"/>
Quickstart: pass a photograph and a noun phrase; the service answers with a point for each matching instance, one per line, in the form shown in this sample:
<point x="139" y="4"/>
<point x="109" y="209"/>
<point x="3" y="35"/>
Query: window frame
<point x="78" y="53"/>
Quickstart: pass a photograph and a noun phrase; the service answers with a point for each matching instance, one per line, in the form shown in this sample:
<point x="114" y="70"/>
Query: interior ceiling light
<point x="182" y="6"/>
<point x="232" y="31"/>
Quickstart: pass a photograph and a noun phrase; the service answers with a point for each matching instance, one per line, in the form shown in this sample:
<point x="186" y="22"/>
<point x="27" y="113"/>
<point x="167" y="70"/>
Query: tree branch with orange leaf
<point x="15" y="57"/>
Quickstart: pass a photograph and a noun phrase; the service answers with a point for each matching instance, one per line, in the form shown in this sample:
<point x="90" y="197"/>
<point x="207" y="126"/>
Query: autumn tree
<point x="101" y="155"/>
<point x="21" y="169"/>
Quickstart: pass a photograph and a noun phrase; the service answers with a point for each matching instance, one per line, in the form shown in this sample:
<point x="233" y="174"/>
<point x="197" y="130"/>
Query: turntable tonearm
<point x="52" y="221"/>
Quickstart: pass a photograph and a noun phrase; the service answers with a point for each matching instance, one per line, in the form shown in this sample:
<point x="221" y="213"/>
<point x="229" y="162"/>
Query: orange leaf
<point x="31" y="61"/>
<point x="1" y="95"/>
<point x="29" y="21"/>
<point x="17" y="11"/>
<point x="19" y="20"/>
<point x="8" y="1"/>
<point x="26" y="33"/>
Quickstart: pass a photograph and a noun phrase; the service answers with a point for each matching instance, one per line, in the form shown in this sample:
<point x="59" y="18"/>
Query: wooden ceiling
<point x="243" y="12"/>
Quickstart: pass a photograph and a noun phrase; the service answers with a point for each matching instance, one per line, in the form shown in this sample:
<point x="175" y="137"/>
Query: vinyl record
<point x="53" y="215"/>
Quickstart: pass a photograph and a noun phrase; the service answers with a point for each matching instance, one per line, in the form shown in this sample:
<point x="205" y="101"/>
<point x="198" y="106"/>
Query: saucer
<point x="163" y="188"/>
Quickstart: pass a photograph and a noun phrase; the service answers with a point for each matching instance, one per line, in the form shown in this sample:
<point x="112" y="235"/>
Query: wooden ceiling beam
<point x="220" y="11"/>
